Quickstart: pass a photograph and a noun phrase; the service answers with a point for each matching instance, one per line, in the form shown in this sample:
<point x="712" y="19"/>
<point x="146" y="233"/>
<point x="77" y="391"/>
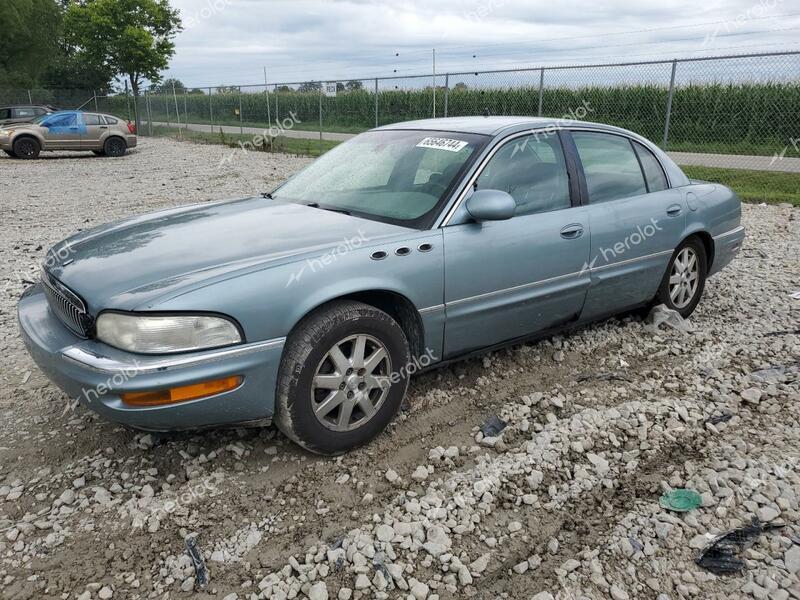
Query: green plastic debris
<point x="680" y="500"/>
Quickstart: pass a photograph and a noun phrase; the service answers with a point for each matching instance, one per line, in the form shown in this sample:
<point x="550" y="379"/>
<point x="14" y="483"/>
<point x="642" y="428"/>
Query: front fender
<point x="268" y="303"/>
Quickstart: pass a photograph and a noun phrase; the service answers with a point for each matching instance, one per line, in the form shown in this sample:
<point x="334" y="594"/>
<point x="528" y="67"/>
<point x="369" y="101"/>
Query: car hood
<point x="127" y="264"/>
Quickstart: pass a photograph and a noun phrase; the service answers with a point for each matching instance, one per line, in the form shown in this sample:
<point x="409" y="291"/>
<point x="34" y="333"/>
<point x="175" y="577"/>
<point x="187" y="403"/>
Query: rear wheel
<point x="115" y="147"/>
<point x="685" y="279"/>
<point x="342" y="377"/>
<point x="27" y="148"/>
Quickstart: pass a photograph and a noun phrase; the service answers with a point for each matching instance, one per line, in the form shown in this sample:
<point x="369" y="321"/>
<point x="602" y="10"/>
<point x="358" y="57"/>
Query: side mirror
<point x="491" y="205"/>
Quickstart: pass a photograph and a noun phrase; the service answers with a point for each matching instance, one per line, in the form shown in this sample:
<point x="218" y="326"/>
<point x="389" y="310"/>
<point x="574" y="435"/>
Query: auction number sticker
<point x="443" y="144"/>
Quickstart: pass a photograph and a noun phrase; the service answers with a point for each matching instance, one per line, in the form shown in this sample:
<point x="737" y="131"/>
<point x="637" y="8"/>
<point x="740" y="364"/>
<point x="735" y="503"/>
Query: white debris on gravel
<point x="562" y="503"/>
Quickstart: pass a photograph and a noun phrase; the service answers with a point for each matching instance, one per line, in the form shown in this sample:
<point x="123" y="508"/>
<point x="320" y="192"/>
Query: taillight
<point x="132" y="128"/>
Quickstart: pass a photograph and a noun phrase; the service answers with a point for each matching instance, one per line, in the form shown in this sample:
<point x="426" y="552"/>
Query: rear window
<point x="111" y="121"/>
<point x="92" y="119"/>
<point x="653" y="173"/>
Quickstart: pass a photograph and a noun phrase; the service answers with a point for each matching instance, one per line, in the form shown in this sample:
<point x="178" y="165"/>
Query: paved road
<point x="292" y="133"/>
<point x="727" y="161"/>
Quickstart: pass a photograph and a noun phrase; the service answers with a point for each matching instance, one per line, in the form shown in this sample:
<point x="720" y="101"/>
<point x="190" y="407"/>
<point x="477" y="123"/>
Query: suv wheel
<point x="341" y="378"/>
<point x="115" y="147"/>
<point x="27" y="147"/>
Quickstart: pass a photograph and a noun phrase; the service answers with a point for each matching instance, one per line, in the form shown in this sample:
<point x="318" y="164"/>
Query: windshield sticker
<point x="443" y="144"/>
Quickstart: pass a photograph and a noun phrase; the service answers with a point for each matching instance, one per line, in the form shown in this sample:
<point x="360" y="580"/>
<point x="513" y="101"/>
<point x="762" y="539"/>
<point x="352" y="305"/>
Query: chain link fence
<point x="738" y="111"/>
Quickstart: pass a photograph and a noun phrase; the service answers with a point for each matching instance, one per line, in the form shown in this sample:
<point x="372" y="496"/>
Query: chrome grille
<point x="69" y="308"/>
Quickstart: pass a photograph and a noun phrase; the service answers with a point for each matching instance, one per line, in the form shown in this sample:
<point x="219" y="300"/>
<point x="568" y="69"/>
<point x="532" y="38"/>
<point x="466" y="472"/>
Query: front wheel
<point x="685" y="279"/>
<point x="343" y="377"/>
<point x="27" y="147"/>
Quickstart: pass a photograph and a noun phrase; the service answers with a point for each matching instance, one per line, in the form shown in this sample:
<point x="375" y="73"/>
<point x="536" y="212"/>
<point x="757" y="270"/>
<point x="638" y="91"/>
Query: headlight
<point x="163" y="334"/>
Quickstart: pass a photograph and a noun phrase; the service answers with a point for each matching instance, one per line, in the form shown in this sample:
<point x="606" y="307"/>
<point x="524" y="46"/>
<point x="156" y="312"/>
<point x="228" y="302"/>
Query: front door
<point x="636" y="219"/>
<point x="63" y="131"/>
<point x="509" y="279"/>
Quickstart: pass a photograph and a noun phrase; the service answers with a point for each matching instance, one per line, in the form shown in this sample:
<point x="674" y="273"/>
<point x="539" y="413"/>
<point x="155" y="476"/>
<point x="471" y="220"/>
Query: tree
<point x="310" y="86"/>
<point x="165" y="87"/>
<point x="353" y="85"/>
<point x="132" y="37"/>
<point x="28" y="40"/>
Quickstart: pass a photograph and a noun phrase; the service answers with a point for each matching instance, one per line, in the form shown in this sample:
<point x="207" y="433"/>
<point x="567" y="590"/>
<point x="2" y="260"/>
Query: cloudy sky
<point x="228" y="42"/>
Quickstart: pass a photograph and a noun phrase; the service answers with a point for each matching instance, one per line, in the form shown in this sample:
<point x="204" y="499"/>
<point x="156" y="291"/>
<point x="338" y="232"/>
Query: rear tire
<point x="27" y="148"/>
<point x="115" y="147"/>
<point x="685" y="279"/>
<point x="342" y="377"/>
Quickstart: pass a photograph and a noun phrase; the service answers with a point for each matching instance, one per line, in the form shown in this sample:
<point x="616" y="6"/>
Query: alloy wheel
<point x="684" y="278"/>
<point x="351" y="383"/>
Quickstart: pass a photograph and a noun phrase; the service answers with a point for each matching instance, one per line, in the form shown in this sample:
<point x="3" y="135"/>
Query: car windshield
<point x="397" y="176"/>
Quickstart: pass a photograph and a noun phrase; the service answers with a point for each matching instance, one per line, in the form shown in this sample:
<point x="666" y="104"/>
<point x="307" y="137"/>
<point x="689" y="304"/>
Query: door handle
<point x="103" y="127"/>
<point x="571" y="232"/>
<point x="674" y="210"/>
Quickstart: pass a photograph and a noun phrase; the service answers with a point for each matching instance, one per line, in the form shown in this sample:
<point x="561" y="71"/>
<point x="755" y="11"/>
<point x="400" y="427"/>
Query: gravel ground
<point x="562" y="504"/>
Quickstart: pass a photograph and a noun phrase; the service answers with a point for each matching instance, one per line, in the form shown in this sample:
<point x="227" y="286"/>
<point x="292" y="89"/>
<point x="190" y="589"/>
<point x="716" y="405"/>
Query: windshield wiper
<point x="337" y="210"/>
<point x="268" y="195"/>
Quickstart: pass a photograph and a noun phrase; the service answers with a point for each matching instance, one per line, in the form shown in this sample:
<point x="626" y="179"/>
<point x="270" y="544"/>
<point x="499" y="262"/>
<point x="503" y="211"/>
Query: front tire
<point x="27" y="148"/>
<point x="685" y="279"/>
<point x="342" y="378"/>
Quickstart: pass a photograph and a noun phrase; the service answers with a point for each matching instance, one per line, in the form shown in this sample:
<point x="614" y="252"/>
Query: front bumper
<point x="96" y="374"/>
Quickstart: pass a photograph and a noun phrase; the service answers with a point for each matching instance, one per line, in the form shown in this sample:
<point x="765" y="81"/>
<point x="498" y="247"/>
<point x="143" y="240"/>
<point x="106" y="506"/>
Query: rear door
<point x="63" y="131"/>
<point x="636" y="220"/>
<point x="96" y="132"/>
<point x="509" y="279"/>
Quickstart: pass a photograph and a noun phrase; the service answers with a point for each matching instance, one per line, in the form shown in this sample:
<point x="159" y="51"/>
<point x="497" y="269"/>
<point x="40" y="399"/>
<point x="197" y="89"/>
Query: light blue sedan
<point x="409" y="246"/>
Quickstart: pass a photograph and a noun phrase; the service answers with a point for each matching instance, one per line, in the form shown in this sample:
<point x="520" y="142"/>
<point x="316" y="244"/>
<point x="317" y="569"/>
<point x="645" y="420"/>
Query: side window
<point x="111" y="121"/>
<point x="23" y="113"/>
<point x="653" y="173"/>
<point x="5" y="113"/>
<point x="610" y="165"/>
<point x="91" y="119"/>
<point x="68" y="120"/>
<point x="532" y="169"/>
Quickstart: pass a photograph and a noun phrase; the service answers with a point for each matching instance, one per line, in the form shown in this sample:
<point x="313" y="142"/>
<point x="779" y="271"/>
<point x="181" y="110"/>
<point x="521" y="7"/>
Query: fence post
<point x="269" y="110"/>
<point x="669" y="105"/>
<point x="211" y="110"/>
<point x="320" y="117"/>
<point x="30" y="101"/>
<point x="376" y="102"/>
<point x="185" y="109"/>
<point x="541" y="91"/>
<point x="94" y="93"/>
<point x="166" y="105"/>
<point x="241" y="122"/>
<point x="177" y="110"/>
<point x="127" y="100"/>
<point x="149" y="112"/>
<point x="446" y="92"/>
<point x="276" y="104"/>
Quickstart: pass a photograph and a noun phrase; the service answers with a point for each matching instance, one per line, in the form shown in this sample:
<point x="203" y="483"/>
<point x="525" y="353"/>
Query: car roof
<point x="493" y="125"/>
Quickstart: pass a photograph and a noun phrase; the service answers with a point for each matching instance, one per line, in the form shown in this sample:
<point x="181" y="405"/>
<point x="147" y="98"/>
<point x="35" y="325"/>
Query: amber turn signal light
<point x="183" y="393"/>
